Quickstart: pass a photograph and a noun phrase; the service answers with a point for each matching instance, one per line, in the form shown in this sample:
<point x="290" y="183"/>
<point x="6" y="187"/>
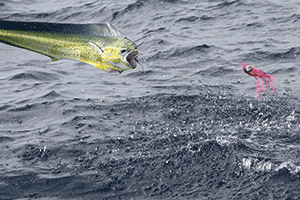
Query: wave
<point x="5" y="107"/>
<point x="191" y="50"/>
<point x="215" y="71"/>
<point x="128" y="144"/>
<point x="187" y="171"/>
<point x="27" y="107"/>
<point x="225" y="4"/>
<point x="130" y="7"/>
<point x="140" y="4"/>
<point x="153" y="31"/>
<point x="292" y="53"/>
<point x="35" y="75"/>
<point x="74" y="13"/>
<point x="5" y="139"/>
<point x="51" y="95"/>
<point x="193" y="18"/>
<point x="286" y="70"/>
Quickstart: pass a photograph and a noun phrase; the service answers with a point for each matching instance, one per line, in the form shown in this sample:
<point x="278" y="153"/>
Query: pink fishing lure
<point x="257" y="73"/>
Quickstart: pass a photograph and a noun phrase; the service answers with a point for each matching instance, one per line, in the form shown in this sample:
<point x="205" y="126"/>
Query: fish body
<point x="100" y="45"/>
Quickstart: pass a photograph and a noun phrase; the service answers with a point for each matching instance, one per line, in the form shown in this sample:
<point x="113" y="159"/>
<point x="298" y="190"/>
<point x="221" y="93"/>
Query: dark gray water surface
<point x="189" y="127"/>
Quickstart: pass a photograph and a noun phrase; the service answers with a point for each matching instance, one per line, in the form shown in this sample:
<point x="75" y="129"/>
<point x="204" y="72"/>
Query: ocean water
<point x="188" y="127"/>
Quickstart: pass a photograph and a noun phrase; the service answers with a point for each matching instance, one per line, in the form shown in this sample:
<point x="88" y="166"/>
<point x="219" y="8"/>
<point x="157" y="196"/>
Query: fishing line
<point x="140" y="64"/>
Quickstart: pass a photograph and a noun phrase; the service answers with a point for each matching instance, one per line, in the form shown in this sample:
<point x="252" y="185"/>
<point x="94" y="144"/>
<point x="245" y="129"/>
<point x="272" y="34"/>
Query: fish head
<point x="120" y="55"/>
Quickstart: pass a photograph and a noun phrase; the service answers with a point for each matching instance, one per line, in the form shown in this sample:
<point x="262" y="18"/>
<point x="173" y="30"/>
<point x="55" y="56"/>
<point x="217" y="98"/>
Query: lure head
<point x="247" y="68"/>
<point x="120" y="55"/>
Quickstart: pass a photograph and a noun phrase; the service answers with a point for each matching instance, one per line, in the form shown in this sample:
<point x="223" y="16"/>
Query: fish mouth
<point x="132" y="58"/>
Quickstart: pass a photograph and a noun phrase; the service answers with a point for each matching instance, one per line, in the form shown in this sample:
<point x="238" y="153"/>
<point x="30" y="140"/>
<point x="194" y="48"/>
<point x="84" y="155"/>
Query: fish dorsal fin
<point x="107" y="30"/>
<point x="112" y="31"/>
<point x="99" y="29"/>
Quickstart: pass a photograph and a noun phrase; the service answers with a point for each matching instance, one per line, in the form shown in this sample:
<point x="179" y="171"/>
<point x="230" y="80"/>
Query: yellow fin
<point x="100" y="51"/>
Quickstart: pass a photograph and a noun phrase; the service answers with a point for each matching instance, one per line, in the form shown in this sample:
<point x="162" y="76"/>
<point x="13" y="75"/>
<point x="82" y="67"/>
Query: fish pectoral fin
<point x="96" y="47"/>
<point x="53" y="59"/>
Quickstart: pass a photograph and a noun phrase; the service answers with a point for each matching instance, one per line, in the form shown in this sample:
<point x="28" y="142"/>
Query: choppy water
<point x="187" y="128"/>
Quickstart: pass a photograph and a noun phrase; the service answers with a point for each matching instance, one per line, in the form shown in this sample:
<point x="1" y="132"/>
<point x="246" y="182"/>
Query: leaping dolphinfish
<point x="101" y="45"/>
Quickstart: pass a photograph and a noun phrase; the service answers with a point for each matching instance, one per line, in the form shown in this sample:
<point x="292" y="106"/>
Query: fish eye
<point x="123" y="50"/>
